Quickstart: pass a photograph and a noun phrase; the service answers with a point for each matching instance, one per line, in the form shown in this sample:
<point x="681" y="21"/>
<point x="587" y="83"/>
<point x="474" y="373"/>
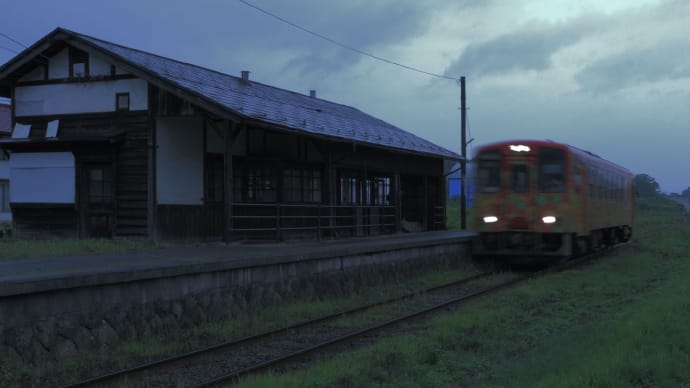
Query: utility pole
<point x="463" y="162"/>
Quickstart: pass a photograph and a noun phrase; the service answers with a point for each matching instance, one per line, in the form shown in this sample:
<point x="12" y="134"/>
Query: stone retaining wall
<point x="61" y="323"/>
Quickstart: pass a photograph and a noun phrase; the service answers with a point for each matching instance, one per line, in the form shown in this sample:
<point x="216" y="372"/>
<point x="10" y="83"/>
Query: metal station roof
<point x="257" y="101"/>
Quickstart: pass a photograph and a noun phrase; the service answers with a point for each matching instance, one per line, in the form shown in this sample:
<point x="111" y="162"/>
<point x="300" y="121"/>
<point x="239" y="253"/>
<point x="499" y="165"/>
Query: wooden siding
<point x="131" y="160"/>
<point x="132" y="177"/>
<point x="45" y="220"/>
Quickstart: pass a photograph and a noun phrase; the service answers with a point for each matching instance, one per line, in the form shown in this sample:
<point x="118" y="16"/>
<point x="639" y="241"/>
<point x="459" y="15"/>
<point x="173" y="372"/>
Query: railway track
<point x="146" y="374"/>
<point x="229" y="361"/>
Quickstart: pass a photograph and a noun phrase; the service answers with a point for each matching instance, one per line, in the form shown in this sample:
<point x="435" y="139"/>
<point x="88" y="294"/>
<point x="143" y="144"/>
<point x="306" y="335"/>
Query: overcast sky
<point x="612" y="77"/>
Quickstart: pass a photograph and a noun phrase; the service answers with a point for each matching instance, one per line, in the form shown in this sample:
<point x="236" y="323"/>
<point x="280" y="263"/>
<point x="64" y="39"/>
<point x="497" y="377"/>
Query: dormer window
<point x="122" y="101"/>
<point x="78" y="63"/>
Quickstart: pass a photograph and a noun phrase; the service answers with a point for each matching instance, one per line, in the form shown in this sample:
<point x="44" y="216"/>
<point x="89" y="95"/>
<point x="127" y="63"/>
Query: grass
<point x="453" y="219"/>
<point x="622" y="321"/>
<point x="157" y="346"/>
<point x="14" y="248"/>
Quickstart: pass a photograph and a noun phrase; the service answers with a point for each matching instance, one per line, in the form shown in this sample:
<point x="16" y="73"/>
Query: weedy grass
<point x="621" y="321"/>
<point x="14" y="248"/>
<point x="152" y="347"/>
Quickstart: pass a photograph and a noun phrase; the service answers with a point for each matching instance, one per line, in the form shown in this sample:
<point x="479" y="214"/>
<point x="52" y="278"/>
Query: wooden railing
<point x="295" y="221"/>
<point x="439" y="220"/>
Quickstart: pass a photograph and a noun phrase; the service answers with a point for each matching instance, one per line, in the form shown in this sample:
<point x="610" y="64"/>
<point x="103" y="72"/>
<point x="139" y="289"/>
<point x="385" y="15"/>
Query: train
<point x="546" y="200"/>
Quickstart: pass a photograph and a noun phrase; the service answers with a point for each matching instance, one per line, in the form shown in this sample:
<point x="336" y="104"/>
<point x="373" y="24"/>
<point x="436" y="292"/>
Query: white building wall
<point x="180" y="160"/>
<point x="42" y="177"/>
<point x="98" y="66"/>
<point x="34" y="75"/>
<point x="74" y="98"/>
<point x="59" y="65"/>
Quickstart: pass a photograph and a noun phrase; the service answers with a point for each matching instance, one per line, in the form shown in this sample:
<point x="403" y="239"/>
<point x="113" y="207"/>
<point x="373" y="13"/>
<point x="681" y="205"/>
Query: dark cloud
<point x="638" y="65"/>
<point x="366" y="26"/>
<point x="528" y="49"/>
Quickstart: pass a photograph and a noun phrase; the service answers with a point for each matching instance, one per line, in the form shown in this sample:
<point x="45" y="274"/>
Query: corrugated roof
<point x="271" y="104"/>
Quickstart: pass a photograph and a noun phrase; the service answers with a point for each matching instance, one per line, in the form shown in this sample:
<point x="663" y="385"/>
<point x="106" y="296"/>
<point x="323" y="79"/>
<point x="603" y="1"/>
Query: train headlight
<point x="490" y="219"/>
<point x="519" y="148"/>
<point x="549" y="219"/>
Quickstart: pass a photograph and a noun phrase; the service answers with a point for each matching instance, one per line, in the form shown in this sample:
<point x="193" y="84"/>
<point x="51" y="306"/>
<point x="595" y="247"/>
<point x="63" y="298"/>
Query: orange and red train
<point x="545" y="199"/>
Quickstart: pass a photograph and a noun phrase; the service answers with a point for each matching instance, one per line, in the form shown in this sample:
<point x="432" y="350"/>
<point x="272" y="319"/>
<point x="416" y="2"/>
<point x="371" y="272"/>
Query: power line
<point x="13" y="40"/>
<point x="342" y="44"/>
<point x="18" y="43"/>
<point x="9" y="49"/>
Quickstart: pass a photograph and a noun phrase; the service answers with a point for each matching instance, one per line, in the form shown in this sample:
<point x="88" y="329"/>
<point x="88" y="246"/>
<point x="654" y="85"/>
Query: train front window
<point x="551" y="170"/>
<point x="520" y="178"/>
<point x="489" y="172"/>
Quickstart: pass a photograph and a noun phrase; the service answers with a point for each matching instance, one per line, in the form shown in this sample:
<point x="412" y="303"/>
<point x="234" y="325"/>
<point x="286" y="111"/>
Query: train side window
<point x="489" y="172"/>
<point x="520" y="178"/>
<point x="551" y="170"/>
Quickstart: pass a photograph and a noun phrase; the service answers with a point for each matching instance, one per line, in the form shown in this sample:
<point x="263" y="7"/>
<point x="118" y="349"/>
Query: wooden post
<point x="332" y="194"/>
<point x="398" y="202"/>
<point x="151" y="175"/>
<point x="228" y="184"/>
<point x="425" y="220"/>
<point x="463" y="162"/>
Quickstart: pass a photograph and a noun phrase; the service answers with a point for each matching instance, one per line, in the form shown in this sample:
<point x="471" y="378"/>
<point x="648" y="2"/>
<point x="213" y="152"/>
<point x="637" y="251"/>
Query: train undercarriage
<point x="543" y="245"/>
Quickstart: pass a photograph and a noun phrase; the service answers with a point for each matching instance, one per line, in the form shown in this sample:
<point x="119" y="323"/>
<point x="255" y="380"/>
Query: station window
<point x="302" y="185"/>
<point x="100" y="185"/>
<point x="349" y="187"/>
<point x="378" y="191"/>
<point x="122" y="101"/>
<point x="551" y="170"/>
<point x="261" y="184"/>
<point x="489" y="171"/>
<point x="213" y="190"/>
<point x="78" y="63"/>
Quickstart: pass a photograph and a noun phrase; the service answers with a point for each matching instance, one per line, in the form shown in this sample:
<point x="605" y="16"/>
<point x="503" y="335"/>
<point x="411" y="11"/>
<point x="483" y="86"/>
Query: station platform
<point x="54" y="307"/>
<point x="53" y="273"/>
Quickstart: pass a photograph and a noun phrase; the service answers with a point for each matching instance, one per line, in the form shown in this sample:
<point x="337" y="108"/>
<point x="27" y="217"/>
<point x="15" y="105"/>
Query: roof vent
<point x="245" y="76"/>
<point x="312" y="93"/>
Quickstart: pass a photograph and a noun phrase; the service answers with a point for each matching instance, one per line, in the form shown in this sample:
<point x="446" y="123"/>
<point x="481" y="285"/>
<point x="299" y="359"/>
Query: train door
<point x="519" y="197"/>
<point x="97" y="199"/>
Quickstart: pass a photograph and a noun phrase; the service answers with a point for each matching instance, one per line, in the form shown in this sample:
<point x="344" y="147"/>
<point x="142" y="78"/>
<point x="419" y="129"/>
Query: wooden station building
<point x="109" y="141"/>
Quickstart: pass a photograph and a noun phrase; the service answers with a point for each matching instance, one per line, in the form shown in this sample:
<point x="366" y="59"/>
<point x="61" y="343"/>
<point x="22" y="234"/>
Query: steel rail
<point x="126" y="373"/>
<point x="255" y="369"/>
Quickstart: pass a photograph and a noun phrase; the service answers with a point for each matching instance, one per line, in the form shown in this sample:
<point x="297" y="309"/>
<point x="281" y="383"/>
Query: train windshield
<point x="551" y="170"/>
<point x="489" y="171"/>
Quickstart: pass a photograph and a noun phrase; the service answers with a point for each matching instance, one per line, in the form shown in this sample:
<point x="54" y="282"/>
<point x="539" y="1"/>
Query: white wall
<point x="180" y="160"/>
<point x="98" y="66"/>
<point x="34" y="75"/>
<point x="87" y="97"/>
<point x="42" y="177"/>
<point x="59" y="65"/>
